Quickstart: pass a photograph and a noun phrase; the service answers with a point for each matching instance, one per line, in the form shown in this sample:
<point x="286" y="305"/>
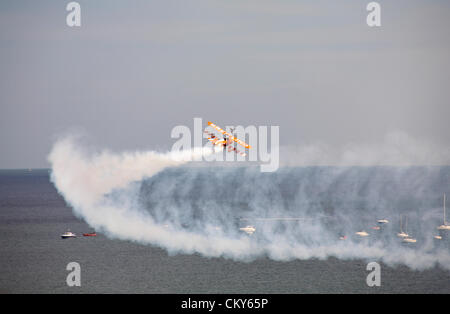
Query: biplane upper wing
<point x="217" y="128"/>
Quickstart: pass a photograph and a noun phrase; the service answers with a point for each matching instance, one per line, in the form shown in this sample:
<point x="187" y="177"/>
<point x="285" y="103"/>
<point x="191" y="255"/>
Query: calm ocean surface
<point x="33" y="258"/>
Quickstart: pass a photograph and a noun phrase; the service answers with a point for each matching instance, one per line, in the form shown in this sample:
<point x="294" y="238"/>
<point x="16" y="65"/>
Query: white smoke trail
<point x="84" y="181"/>
<point x="89" y="182"/>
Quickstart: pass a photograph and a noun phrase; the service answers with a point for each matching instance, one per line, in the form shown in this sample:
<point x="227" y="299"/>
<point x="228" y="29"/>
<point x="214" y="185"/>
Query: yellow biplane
<point x="226" y="141"/>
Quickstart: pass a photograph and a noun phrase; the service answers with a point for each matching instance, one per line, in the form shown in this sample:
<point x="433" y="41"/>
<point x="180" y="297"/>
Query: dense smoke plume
<point x="301" y="211"/>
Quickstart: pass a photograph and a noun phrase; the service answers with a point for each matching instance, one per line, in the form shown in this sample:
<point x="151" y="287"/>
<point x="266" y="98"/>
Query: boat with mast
<point x="445" y="226"/>
<point x="402" y="234"/>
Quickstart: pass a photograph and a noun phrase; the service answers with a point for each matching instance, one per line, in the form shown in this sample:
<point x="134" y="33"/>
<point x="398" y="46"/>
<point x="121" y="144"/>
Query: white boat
<point x="248" y="229"/>
<point x="383" y="221"/>
<point x="445" y="226"/>
<point x="405" y="235"/>
<point x="409" y="240"/>
<point x="402" y="234"/>
<point x="438" y="237"/>
<point x="362" y="233"/>
<point x="68" y="234"/>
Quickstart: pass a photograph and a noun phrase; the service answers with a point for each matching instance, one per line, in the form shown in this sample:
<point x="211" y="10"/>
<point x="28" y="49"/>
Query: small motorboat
<point x="362" y="233"/>
<point x="91" y="234"/>
<point x="409" y="240"/>
<point x="68" y="234"/>
<point x="248" y="229"/>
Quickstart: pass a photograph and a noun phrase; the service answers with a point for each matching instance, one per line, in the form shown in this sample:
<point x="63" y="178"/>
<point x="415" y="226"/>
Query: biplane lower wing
<point x="214" y="139"/>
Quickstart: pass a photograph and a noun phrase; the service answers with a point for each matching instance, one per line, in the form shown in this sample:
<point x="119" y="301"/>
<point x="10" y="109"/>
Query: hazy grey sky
<point x="136" y="69"/>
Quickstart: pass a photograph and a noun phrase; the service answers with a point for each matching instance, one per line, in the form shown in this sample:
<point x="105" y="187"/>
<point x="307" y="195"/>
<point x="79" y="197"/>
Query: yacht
<point x="445" y="226"/>
<point x="402" y="234"/>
